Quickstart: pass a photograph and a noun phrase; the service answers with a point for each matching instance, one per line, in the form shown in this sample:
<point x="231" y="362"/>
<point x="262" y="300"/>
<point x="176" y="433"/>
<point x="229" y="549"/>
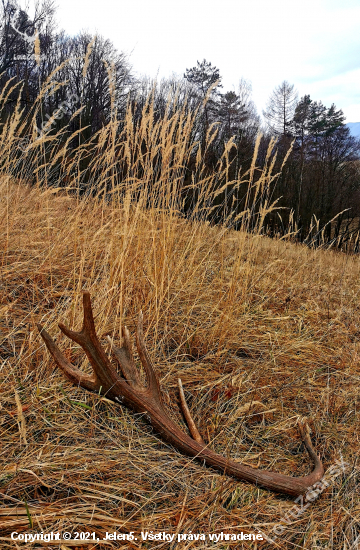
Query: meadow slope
<point x="262" y="333"/>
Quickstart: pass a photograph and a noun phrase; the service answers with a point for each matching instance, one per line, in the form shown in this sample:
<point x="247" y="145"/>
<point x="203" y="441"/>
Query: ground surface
<point x="261" y="332"/>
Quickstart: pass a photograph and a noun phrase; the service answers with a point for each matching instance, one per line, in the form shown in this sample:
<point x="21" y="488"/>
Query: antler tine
<point x="88" y="328"/>
<point x="128" y="345"/>
<point x="125" y="358"/>
<point x="153" y="381"/>
<point x="305" y="436"/>
<point x="148" y="400"/>
<point x="87" y="338"/>
<point x="75" y="375"/>
<point x="189" y="420"/>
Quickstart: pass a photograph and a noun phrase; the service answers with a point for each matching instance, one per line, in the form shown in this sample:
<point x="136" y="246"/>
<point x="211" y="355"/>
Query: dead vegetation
<point x="262" y="332"/>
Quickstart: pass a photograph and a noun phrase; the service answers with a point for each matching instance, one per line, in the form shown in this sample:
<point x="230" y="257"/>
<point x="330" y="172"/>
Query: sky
<point x="313" y="44"/>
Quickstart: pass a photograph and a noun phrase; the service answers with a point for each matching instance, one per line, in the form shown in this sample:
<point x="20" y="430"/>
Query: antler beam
<point x="129" y="390"/>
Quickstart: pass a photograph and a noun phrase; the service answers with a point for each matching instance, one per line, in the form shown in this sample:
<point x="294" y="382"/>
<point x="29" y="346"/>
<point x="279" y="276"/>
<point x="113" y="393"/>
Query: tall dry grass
<point x="260" y="331"/>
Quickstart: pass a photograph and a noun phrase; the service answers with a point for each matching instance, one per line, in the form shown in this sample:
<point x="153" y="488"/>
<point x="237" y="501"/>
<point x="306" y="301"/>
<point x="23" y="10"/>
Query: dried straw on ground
<point x="262" y="332"/>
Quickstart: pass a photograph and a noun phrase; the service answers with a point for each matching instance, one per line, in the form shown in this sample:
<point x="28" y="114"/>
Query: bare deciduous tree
<point x="280" y="109"/>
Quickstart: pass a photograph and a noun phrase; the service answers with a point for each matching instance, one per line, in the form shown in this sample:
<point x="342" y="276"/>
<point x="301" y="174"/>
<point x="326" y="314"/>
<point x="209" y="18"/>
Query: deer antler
<point x="147" y="400"/>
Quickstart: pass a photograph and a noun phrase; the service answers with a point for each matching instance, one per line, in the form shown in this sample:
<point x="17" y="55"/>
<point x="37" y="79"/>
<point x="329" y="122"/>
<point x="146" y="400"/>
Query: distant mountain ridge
<point x="354" y="128"/>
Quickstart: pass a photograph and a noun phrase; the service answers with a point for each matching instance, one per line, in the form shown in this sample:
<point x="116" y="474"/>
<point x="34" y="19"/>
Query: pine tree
<point x="206" y="80"/>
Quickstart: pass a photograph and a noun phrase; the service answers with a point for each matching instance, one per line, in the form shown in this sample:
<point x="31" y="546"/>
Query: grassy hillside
<point x="262" y="333"/>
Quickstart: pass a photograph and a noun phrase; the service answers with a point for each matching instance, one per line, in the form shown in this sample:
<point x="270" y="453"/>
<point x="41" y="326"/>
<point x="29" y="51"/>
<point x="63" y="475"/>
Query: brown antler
<point x="131" y="392"/>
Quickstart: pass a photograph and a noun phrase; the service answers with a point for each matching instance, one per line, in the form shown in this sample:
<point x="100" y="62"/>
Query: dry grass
<point x="261" y="332"/>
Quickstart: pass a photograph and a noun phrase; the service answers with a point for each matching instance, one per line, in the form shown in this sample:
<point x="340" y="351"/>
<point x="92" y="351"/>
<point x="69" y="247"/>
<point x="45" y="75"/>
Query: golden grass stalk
<point x="260" y="331"/>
